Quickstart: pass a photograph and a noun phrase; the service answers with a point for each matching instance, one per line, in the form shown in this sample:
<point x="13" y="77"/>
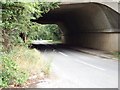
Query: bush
<point x="20" y="64"/>
<point x="30" y="60"/>
<point x="10" y="73"/>
<point x="46" y="32"/>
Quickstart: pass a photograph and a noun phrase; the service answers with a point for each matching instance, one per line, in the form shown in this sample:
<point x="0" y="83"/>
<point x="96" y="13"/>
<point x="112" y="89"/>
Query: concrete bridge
<point x="91" y="25"/>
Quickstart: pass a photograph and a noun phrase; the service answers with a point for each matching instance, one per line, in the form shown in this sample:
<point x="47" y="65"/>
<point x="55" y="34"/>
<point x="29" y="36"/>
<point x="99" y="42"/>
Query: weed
<point x="19" y="64"/>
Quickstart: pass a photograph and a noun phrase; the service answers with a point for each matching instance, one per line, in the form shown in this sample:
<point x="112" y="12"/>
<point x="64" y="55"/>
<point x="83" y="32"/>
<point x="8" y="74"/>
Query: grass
<point x="117" y="55"/>
<point x="28" y="60"/>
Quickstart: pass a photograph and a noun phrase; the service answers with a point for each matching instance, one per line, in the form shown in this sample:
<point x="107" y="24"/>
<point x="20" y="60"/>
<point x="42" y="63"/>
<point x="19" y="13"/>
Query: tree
<point x="46" y="32"/>
<point x="54" y="32"/>
<point x="16" y="24"/>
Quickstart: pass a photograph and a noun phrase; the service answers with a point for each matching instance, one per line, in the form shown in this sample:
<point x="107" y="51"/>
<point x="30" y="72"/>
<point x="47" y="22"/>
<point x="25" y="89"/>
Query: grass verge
<point x="117" y="55"/>
<point x="20" y="64"/>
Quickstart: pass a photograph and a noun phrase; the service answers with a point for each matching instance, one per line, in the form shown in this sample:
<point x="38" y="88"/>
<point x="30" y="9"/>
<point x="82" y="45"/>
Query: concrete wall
<point x="101" y="41"/>
<point x="93" y="27"/>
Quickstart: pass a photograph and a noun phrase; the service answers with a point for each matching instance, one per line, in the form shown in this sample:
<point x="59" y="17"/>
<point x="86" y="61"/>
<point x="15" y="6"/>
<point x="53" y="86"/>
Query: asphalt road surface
<point x="80" y="70"/>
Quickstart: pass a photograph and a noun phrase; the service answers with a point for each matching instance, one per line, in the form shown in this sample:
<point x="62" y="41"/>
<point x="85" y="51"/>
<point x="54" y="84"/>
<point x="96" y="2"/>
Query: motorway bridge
<point x="91" y="25"/>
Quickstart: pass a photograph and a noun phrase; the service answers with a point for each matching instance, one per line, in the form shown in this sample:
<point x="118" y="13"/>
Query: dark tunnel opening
<point x="90" y="25"/>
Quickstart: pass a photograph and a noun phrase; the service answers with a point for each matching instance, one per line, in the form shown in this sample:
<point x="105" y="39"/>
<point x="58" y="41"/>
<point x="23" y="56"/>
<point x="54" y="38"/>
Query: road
<point x="80" y="70"/>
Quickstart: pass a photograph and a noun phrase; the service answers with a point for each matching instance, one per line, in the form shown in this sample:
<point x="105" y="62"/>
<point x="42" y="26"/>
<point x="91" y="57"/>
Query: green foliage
<point x="16" y="19"/>
<point x="10" y="73"/>
<point x="117" y="55"/>
<point x="20" y="63"/>
<point x="54" y="32"/>
<point x="46" y="32"/>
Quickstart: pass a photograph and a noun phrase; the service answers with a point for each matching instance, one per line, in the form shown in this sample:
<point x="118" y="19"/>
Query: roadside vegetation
<point x="117" y="55"/>
<point x="20" y="64"/>
<point x="46" y="32"/>
<point x="17" y="62"/>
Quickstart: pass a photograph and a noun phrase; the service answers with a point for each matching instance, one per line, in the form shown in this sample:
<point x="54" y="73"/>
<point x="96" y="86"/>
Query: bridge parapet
<point x="114" y="4"/>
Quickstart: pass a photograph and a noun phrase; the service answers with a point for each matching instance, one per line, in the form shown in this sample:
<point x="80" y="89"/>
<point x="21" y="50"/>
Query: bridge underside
<point x="90" y="25"/>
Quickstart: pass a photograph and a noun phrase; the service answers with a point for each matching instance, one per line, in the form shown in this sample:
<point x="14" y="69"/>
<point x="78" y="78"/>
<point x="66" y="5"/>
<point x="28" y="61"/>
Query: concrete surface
<point x="99" y="53"/>
<point x="80" y="70"/>
<point x="103" y="41"/>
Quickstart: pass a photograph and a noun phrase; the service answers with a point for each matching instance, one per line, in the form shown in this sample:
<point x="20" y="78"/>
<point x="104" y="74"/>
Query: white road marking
<point x="63" y="54"/>
<point x="91" y="65"/>
<point x="84" y="62"/>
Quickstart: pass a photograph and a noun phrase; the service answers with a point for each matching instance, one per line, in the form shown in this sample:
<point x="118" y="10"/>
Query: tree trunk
<point x="6" y="41"/>
<point x="24" y="37"/>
